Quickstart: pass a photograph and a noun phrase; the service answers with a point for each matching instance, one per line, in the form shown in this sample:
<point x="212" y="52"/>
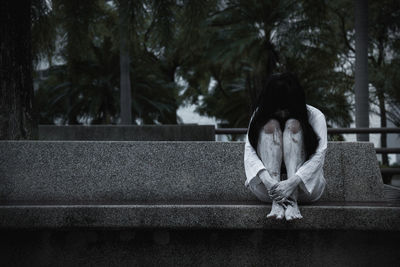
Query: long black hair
<point x="283" y="91"/>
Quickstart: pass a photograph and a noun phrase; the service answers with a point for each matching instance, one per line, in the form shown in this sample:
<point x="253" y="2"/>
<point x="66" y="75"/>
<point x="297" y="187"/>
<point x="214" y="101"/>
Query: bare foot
<point x="292" y="212"/>
<point x="277" y="211"/>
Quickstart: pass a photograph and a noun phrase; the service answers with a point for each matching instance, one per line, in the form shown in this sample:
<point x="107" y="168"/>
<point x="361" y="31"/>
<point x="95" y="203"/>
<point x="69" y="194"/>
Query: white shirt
<point x="310" y="172"/>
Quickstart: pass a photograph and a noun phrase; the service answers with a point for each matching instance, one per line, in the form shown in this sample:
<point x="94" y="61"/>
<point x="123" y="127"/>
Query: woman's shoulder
<point x="313" y="111"/>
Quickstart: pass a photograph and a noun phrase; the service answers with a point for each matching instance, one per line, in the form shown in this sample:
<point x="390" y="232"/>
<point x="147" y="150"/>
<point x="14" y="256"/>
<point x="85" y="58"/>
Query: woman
<point x="284" y="129"/>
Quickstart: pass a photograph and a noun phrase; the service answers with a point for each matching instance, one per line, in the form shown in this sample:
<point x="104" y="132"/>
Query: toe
<point x="297" y="215"/>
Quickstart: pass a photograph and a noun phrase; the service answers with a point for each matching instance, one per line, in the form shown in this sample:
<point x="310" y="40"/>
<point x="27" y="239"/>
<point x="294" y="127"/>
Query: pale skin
<point x="273" y="147"/>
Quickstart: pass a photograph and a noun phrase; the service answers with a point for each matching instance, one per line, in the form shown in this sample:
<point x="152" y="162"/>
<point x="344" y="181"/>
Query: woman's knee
<point x="271" y="126"/>
<point x="309" y="197"/>
<point x="293" y="126"/>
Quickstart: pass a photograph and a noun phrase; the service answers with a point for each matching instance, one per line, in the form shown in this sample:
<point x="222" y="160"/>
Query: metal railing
<point x="330" y="130"/>
<point x="391" y="150"/>
<point x="390" y="171"/>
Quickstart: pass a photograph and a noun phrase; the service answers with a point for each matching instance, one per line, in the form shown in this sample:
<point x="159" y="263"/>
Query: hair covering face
<point x="283" y="92"/>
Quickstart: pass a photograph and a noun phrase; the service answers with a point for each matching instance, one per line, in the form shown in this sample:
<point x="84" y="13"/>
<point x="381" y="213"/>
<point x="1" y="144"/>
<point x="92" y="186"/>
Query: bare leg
<point x="269" y="149"/>
<point x="294" y="156"/>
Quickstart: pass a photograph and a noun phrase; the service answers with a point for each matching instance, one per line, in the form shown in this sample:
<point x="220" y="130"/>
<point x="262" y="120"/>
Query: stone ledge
<point x="197" y="216"/>
<point x="159" y="170"/>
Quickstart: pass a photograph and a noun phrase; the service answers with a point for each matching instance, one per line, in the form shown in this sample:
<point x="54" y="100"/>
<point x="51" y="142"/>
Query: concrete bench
<point x="186" y="198"/>
<point x="73" y="171"/>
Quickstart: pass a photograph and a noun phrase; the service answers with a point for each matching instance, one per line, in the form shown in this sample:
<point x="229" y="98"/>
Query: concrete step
<point x="123" y="203"/>
<point x="334" y="216"/>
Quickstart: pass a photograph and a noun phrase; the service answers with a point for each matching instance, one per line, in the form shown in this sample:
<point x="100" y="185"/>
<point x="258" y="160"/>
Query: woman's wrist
<point x="266" y="179"/>
<point x="296" y="179"/>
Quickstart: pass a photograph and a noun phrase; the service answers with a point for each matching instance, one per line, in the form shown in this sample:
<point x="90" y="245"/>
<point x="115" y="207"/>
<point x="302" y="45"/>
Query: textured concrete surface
<point x="167" y="171"/>
<point x="92" y="203"/>
<point x="392" y="193"/>
<point x="352" y="172"/>
<point x="128" y="133"/>
<point x="181" y="216"/>
<point x="160" y="247"/>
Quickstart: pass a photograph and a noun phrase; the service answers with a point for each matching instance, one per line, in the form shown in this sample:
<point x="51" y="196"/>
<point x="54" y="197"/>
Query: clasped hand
<point x="281" y="191"/>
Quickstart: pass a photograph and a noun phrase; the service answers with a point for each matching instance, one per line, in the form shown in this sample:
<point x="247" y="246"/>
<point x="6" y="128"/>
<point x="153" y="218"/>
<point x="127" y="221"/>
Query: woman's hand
<point x="281" y="191"/>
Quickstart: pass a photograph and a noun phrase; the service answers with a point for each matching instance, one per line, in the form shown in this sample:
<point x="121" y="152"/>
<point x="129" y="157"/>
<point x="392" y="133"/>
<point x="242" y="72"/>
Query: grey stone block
<point x="352" y="172"/>
<point x="194" y="216"/>
<point x="73" y="171"/>
<point x="198" y="247"/>
<point x="164" y="132"/>
<point x="181" y="204"/>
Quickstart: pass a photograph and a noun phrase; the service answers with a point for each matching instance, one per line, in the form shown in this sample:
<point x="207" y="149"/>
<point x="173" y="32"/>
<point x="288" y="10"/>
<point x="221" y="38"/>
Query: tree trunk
<point x="382" y="110"/>
<point x="170" y="117"/>
<point x="257" y="80"/>
<point x="18" y="118"/>
<point x="361" y="73"/>
<point x="125" y="81"/>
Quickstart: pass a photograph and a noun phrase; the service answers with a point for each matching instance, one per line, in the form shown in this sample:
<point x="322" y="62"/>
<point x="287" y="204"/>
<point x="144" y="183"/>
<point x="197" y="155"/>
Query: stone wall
<point x="157" y="203"/>
<point x="163" y="171"/>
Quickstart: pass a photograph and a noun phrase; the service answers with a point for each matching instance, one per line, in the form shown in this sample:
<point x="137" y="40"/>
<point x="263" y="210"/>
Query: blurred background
<point x="144" y="62"/>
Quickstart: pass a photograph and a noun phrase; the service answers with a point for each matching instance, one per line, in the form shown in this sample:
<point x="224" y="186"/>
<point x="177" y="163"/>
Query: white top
<point x="310" y="172"/>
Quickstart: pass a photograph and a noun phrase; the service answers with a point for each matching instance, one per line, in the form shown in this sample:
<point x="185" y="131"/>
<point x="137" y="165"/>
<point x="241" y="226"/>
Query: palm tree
<point x="89" y="92"/>
<point x="245" y="41"/>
